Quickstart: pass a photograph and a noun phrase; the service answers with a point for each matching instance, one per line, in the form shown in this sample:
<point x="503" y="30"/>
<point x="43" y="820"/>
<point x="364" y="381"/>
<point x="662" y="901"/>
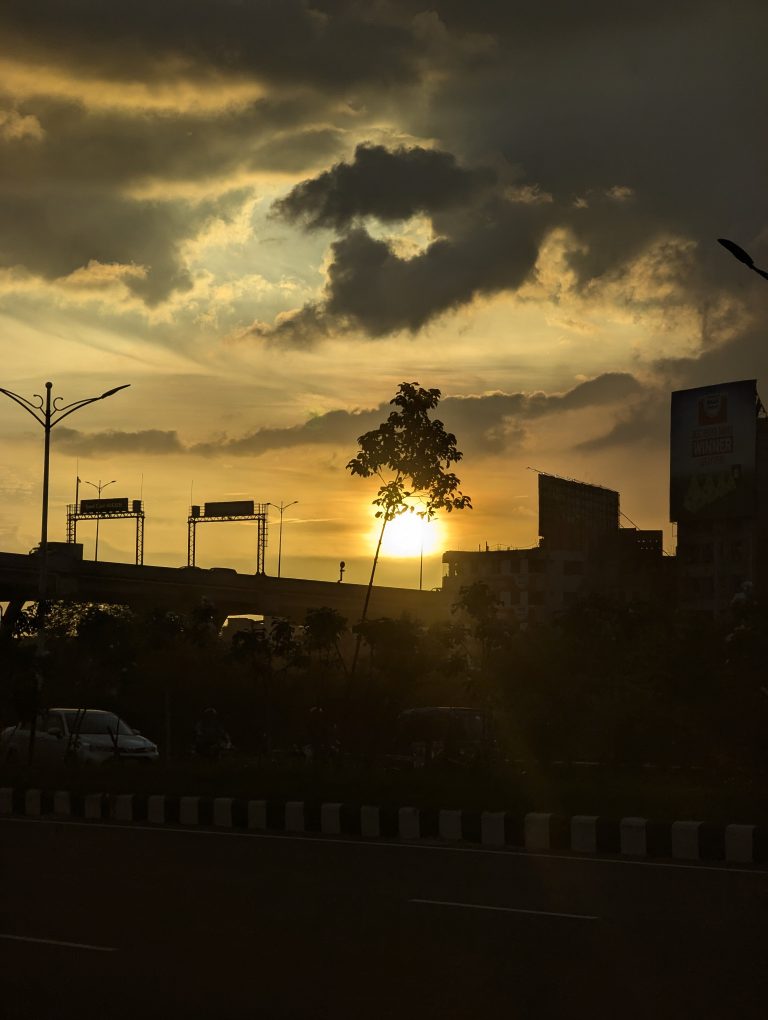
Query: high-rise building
<point x="719" y="494"/>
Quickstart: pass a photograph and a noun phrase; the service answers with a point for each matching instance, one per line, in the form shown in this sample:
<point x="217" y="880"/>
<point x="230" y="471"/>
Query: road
<point x="110" y="921"/>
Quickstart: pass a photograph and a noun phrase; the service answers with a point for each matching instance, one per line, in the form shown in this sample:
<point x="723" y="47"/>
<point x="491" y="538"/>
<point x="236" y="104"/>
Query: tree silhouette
<point x="322" y="629"/>
<point x="411" y="454"/>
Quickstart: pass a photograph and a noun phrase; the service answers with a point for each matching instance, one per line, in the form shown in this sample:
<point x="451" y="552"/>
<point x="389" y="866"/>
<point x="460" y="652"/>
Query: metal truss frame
<point x="74" y="517"/>
<point x="260" y="515"/>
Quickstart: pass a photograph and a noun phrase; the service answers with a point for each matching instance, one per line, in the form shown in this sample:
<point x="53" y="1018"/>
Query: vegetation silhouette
<point x="411" y="454"/>
<point x="620" y="683"/>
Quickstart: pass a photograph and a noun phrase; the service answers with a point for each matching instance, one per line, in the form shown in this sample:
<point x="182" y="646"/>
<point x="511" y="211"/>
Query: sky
<point x="264" y="215"/>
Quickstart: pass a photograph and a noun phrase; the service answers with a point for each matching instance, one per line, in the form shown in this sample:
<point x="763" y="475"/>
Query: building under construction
<point x="582" y="550"/>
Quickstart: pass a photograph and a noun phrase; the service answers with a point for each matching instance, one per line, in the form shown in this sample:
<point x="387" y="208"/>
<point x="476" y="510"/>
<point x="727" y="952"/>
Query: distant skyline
<point x="264" y="216"/>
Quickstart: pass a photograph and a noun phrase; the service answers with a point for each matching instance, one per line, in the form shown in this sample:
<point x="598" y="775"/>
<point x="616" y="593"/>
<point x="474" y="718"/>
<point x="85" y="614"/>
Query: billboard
<point x="712" y="451"/>
<point x="574" y="514"/>
<point x="231" y="508"/>
<point x="103" y="506"/>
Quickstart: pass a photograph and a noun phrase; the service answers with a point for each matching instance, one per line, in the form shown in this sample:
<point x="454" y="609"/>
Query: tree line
<point x="608" y="682"/>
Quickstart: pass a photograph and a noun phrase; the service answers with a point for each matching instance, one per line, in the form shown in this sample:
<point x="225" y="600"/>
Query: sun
<point x="408" y="536"/>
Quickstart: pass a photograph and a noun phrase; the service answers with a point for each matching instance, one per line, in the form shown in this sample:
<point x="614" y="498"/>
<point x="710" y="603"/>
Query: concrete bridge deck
<point x="183" y="588"/>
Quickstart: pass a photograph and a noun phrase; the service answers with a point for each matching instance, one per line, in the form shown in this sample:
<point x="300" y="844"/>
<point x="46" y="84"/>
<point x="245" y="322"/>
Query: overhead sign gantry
<point x="231" y="510"/>
<point x="107" y="509"/>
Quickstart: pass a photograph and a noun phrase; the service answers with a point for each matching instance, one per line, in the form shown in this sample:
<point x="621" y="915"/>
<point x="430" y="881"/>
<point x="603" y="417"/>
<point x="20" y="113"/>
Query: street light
<point x="48" y="413"/>
<point x="98" y="486"/>
<point x="742" y="256"/>
<point x="281" y="507"/>
<point x="421" y="553"/>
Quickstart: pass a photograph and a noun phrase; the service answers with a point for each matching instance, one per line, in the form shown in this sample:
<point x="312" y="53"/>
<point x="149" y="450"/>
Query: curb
<point x="636" y="838"/>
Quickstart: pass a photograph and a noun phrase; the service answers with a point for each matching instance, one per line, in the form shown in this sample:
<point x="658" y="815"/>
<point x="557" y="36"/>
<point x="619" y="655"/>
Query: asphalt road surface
<point x="100" y="921"/>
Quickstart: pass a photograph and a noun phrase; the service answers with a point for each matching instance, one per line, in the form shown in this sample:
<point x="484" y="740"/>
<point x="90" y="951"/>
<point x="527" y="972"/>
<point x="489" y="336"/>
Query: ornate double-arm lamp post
<point x="49" y="412"/>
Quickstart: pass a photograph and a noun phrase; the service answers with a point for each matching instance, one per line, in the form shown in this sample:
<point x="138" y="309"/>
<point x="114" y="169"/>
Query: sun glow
<point x="408" y="535"/>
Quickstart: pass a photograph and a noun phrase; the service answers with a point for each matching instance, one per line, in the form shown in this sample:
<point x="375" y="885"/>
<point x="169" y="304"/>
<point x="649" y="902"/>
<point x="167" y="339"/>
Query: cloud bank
<point x="489" y="423"/>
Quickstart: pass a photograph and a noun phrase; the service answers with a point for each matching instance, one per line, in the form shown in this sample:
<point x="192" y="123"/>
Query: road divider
<point x="629" y="837"/>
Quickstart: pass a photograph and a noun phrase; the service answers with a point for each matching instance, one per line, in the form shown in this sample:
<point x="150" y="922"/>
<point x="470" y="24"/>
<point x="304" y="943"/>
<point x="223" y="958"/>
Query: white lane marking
<point x="308" y="837"/>
<point x="57" y="942"/>
<point x="507" y="910"/>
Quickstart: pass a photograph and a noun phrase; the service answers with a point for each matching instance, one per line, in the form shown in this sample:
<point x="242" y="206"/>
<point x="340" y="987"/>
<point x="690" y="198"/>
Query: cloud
<point x="15" y="126"/>
<point x="490" y="422"/>
<point x="374" y="290"/>
<point x="639" y="135"/>
<point x="622" y="128"/>
<point x="485" y="423"/>
<point x="99" y="275"/>
<point x="58" y="233"/>
<point x="388" y="184"/>
<point x="495" y="422"/>
<point x="645" y="423"/>
<point x="273" y="41"/>
<point x="151" y="441"/>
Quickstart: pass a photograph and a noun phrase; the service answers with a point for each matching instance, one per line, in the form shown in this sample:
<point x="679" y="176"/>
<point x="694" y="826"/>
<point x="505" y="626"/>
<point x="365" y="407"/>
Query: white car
<point x="91" y="736"/>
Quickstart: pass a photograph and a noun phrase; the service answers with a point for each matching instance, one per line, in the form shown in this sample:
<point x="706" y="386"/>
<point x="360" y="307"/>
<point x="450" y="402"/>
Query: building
<point x="531" y="585"/>
<point x="581" y="551"/>
<point x="719" y="494"/>
<point x="575" y="515"/>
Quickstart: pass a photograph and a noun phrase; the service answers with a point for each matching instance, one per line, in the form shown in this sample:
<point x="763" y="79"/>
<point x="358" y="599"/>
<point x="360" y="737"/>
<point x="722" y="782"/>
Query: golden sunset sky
<point x="266" y="215"/>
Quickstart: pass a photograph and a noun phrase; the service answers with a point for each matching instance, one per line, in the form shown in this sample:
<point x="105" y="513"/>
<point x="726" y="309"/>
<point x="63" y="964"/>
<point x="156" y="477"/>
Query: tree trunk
<point x="368" y="597"/>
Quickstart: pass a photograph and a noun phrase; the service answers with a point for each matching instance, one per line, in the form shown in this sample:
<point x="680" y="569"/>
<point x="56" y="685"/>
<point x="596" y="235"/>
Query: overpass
<point x="181" y="589"/>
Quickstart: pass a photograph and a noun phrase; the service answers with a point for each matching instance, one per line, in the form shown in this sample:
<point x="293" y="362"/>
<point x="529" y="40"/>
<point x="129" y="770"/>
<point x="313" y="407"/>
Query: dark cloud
<point x="388" y="184"/>
<point x="637" y="120"/>
<point x="65" y="196"/>
<point x="661" y="98"/>
<point x="645" y="423"/>
<point x="374" y="289"/>
<point x="91" y="148"/>
<point x="496" y="422"/>
<point x="152" y="441"/>
<point x="743" y="357"/>
<point x="333" y="427"/>
<point x="488" y="423"/>
<point x="281" y="41"/>
<point x="54" y="231"/>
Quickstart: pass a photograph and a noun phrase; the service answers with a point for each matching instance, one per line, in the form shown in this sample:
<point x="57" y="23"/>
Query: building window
<point x="573" y="567"/>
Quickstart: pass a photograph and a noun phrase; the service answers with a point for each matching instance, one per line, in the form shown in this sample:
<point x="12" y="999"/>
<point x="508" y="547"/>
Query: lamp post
<point x="49" y="412"/>
<point x="98" y="486"/>
<point x="742" y="256"/>
<point x="281" y="507"/>
<point x="421" y="554"/>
